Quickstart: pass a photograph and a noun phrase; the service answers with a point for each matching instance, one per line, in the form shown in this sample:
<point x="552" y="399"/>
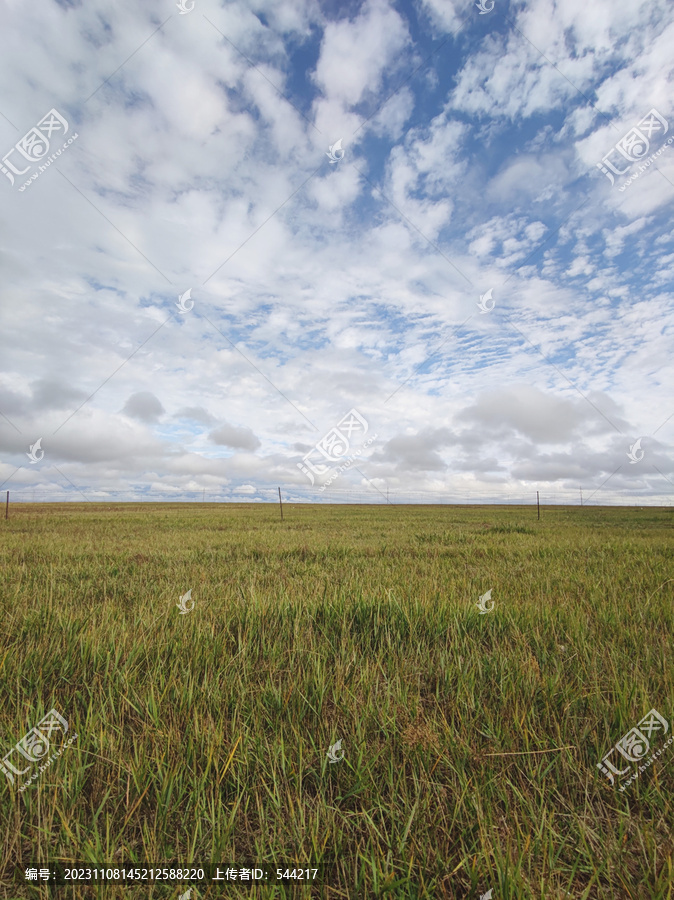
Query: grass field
<point x="470" y="741"/>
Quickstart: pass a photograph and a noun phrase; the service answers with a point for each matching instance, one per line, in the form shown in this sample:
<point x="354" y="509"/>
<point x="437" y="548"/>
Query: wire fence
<point x="293" y="494"/>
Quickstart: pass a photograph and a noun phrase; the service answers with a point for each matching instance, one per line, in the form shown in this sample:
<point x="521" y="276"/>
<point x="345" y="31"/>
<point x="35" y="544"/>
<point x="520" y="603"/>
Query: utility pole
<point x="7" y="507"/>
<point x="280" y="503"/>
<point x="538" y="504"/>
<point x="581" y="496"/>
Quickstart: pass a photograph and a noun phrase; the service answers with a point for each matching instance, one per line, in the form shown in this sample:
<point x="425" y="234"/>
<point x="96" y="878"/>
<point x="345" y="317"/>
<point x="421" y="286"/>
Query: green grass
<point x="203" y="737"/>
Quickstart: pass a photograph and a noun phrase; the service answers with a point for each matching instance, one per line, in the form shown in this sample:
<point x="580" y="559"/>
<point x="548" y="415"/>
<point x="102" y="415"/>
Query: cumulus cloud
<point x="196" y="414"/>
<point x="143" y="406"/>
<point x="318" y="286"/>
<point x="237" y="438"/>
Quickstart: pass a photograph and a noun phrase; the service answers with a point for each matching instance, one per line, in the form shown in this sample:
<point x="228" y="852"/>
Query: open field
<point x="203" y="737"/>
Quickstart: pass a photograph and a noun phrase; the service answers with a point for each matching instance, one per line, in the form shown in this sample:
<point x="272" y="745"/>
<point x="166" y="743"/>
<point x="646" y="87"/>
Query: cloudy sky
<point x="428" y="248"/>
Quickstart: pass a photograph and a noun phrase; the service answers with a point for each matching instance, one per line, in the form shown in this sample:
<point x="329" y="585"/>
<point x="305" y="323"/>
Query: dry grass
<point x="203" y="737"/>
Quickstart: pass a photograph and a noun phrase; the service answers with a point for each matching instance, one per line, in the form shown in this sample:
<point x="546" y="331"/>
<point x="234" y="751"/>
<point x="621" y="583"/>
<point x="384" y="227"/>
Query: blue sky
<point x="193" y="153"/>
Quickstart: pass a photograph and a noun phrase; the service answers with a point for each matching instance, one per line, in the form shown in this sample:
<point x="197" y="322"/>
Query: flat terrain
<point x="470" y="741"/>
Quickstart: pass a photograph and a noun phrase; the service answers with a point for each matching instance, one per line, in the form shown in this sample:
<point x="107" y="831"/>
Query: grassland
<point x="470" y="741"/>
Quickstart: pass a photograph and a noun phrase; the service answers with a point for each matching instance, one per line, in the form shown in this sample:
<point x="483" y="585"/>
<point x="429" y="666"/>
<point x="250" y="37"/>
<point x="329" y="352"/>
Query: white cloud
<point x="356" y="53"/>
<point x="189" y="161"/>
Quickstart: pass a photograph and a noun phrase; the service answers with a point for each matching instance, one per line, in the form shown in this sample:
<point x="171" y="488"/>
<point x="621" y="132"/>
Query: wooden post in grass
<point x="538" y="504"/>
<point x="7" y="506"/>
<point x="280" y="503"/>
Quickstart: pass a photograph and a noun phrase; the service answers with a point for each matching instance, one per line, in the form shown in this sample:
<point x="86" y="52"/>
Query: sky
<point x="377" y="251"/>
